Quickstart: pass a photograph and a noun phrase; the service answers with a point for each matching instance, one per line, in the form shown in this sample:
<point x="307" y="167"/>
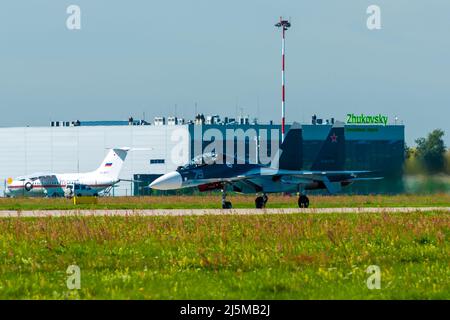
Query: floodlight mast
<point x="284" y="25"/>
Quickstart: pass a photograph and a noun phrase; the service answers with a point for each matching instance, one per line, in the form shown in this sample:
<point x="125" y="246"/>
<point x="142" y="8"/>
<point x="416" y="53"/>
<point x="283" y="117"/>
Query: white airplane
<point x="79" y="184"/>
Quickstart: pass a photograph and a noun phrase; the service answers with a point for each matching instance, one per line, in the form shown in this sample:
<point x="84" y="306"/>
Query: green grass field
<point x="304" y="256"/>
<point x="239" y="201"/>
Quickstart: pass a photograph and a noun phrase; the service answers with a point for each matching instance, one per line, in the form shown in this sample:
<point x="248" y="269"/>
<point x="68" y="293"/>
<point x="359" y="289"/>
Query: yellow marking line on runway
<point x="199" y="212"/>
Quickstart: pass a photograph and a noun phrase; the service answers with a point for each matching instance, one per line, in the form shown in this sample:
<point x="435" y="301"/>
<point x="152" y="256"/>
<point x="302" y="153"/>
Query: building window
<point x="157" y="161"/>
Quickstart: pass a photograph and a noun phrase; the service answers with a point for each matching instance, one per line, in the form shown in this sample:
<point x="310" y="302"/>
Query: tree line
<point x="429" y="156"/>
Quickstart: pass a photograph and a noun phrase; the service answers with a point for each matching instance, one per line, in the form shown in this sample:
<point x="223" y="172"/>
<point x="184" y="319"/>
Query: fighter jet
<point x="284" y="174"/>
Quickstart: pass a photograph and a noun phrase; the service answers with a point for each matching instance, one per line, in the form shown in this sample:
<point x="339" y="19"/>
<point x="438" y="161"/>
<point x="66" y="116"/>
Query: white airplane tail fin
<point x="112" y="164"/>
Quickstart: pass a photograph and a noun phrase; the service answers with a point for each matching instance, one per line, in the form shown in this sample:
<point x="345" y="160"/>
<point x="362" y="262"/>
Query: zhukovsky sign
<point x="365" y="119"/>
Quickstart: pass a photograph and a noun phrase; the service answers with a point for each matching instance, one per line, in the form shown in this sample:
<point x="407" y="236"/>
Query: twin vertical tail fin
<point x="331" y="155"/>
<point x="289" y="156"/>
<point x="113" y="162"/>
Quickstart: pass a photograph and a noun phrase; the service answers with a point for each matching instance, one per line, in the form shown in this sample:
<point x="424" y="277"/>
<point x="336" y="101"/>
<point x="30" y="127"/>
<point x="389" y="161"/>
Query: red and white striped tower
<point x="284" y="24"/>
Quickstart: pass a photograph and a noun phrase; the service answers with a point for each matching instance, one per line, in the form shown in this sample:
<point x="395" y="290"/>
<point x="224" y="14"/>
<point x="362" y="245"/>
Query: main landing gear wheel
<point x="260" y="202"/>
<point x="303" y="201"/>
<point x="225" y="204"/>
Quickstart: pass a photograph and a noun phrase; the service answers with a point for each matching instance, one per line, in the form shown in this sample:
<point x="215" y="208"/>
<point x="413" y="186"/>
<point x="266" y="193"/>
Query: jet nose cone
<point x="169" y="181"/>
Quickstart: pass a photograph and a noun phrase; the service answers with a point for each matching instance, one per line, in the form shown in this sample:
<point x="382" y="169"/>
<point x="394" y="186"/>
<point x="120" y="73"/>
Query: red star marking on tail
<point x="334" y="137"/>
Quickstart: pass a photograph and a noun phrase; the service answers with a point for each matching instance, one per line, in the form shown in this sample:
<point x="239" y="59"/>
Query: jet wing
<point x="331" y="179"/>
<point x="307" y="174"/>
<point x="325" y="176"/>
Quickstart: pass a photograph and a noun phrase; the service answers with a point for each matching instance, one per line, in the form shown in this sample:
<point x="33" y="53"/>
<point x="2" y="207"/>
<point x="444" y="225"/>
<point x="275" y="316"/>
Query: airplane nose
<point x="169" y="181"/>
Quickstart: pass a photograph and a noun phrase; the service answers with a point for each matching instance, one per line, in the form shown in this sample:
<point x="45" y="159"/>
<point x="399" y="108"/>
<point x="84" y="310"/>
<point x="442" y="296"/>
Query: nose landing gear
<point x="303" y="201"/>
<point x="260" y="202"/>
<point x="225" y="204"/>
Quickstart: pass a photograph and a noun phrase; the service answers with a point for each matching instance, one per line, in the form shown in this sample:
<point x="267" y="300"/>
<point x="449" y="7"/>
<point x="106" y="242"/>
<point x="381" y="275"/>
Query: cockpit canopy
<point x="204" y="159"/>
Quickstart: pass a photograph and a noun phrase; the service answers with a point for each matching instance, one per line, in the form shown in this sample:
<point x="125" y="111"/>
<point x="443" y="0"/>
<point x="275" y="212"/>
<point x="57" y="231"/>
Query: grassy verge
<point x="214" y="201"/>
<point x="233" y="257"/>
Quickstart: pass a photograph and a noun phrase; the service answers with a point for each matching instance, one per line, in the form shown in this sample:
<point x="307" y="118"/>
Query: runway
<point x="201" y="212"/>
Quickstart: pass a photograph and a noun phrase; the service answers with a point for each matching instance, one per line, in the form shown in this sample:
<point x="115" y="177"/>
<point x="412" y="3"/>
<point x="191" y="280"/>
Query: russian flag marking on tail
<point x="109" y="164"/>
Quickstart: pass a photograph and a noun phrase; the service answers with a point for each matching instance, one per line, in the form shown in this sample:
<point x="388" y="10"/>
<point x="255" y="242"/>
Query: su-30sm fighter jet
<point x="283" y="174"/>
<point x="79" y="184"/>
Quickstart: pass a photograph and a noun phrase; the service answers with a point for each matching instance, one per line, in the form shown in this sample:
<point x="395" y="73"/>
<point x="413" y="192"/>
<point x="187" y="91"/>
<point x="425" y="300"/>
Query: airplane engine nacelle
<point x="315" y="185"/>
<point x="28" y="186"/>
<point x="210" y="186"/>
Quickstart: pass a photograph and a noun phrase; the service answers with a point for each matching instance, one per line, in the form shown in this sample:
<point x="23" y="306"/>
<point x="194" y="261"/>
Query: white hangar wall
<point x="80" y="149"/>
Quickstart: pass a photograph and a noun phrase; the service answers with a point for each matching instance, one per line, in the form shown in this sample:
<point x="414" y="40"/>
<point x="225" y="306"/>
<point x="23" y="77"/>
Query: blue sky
<point x="132" y="57"/>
